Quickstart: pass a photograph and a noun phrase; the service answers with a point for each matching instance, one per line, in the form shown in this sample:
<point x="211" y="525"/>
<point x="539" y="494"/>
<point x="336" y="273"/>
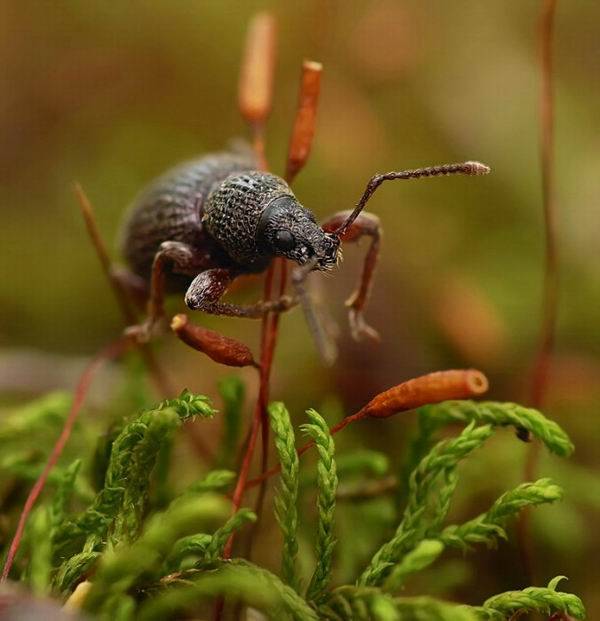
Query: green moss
<point x="148" y="557"/>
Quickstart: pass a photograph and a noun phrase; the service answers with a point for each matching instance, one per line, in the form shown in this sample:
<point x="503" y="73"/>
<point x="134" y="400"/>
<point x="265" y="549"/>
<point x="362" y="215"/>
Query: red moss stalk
<point x="299" y="150"/>
<point x="259" y="418"/>
<point x="255" y="90"/>
<point x="424" y="390"/>
<point x="255" y="96"/>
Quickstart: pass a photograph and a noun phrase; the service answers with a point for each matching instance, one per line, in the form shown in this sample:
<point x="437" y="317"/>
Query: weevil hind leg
<point x="134" y="286"/>
<point x="365" y="224"/>
<point x="181" y="258"/>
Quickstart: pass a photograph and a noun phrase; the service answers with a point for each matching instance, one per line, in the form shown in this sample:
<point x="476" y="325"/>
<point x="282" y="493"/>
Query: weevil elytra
<point x="209" y="221"/>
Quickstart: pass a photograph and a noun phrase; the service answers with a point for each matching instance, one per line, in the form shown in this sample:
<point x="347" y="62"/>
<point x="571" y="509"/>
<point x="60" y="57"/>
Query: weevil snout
<point x="327" y="252"/>
<point x="288" y="229"/>
<point x="312" y="245"/>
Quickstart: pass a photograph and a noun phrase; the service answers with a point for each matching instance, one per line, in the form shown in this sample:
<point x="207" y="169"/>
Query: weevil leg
<point x="135" y="286"/>
<point x="314" y="319"/>
<point x="181" y="257"/>
<point x="209" y="286"/>
<point x="366" y="224"/>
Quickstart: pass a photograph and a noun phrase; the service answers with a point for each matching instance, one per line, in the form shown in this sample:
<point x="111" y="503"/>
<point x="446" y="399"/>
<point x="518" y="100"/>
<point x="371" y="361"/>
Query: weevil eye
<point x="284" y="240"/>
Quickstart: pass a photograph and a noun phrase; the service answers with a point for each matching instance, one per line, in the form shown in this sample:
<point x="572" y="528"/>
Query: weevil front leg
<point x="209" y="287"/>
<point x="204" y="294"/>
<point x="365" y="224"/>
<point x="181" y="258"/>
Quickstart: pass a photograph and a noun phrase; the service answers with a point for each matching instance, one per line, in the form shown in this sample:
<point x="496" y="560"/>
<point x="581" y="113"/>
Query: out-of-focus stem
<point x="543" y="359"/>
<point x="100" y="247"/>
<point x="159" y="378"/>
<point x="550" y="295"/>
<point x="255" y="91"/>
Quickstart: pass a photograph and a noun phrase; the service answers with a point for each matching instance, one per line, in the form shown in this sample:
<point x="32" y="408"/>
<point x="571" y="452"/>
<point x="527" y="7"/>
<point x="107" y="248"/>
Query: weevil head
<point x="287" y="229"/>
<point x="254" y="216"/>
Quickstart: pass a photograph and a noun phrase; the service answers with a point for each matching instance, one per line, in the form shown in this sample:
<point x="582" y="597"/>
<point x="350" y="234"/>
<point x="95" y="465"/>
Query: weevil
<point x="211" y="220"/>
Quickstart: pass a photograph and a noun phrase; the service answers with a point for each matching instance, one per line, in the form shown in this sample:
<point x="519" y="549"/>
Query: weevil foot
<point x="146" y="331"/>
<point x="360" y="329"/>
<point x="283" y="304"/>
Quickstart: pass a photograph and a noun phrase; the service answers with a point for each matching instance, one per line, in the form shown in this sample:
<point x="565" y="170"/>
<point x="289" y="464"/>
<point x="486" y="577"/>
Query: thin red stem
<point x="260" y="480"/>
<point x="255" y="94"/>
<point x="268" y="341"/>
<point x="550" y="296"/>
<point x="113" y="350"/>
<point x="543" y="359"/>
<point x="258" y="144"/>
<point x="264" y="464"/>
<point x="426" y="389"/>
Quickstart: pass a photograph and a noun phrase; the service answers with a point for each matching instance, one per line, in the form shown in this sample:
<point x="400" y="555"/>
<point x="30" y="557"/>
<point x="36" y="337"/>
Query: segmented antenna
<point x="464" y="168"/>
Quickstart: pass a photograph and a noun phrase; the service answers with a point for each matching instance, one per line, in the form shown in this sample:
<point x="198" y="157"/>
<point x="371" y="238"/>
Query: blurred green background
<point x="112" y="94"/>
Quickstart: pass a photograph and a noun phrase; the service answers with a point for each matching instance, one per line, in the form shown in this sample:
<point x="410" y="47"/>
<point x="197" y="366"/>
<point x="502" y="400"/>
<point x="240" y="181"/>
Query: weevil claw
<point x="144" y="332"/>
<point x="283" y="304"/>
<point x="360" y="329"/>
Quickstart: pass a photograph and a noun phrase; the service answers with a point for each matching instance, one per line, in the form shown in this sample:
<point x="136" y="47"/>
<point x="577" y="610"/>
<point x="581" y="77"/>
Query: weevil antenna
<point x="464" y="168"/>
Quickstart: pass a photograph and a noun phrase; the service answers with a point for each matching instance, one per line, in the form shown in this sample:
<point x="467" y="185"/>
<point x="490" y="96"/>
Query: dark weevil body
<point x="210" y="220"/>
<point x="229" y="215"/>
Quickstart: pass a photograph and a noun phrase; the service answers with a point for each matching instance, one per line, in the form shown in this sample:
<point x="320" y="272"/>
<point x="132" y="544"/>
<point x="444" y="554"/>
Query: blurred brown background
<point x="112" y="94"/>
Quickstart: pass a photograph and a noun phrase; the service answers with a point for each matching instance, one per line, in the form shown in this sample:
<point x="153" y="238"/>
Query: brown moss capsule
<point x="430" y="388"/>
<point x="219" y="348"/>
